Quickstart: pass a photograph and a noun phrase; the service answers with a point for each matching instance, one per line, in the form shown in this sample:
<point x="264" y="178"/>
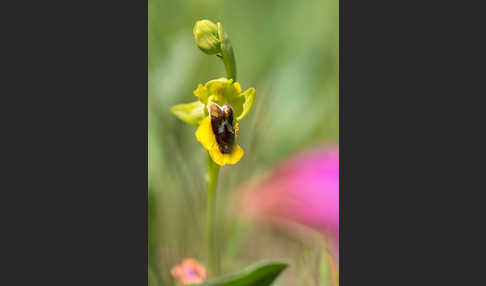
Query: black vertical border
<point x="410" y="150"/>
<point x="373" y="101"/>
<point x="75" y="186"/>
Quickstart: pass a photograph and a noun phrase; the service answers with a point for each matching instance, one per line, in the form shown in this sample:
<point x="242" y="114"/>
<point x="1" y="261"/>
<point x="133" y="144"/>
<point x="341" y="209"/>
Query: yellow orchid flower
<point x="221" y="105"/>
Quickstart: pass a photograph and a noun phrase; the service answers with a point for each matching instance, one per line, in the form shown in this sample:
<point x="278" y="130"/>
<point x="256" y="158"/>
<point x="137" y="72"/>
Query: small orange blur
<point x="189" y="272"/>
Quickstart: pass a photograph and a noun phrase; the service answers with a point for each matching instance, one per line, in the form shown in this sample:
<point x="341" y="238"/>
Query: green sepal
<point x="191" y="113"/>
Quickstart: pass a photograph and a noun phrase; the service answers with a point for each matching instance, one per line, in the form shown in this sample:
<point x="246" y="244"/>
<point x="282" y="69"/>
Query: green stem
<point x="212" y="182"/>
<point x="227" y="53"/>
<point x="228" y="58"/>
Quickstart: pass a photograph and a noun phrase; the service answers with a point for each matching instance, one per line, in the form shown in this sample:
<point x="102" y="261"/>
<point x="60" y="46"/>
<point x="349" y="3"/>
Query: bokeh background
<point x="287" y="51"/>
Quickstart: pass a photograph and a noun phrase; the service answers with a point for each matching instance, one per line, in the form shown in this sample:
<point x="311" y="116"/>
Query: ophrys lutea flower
<point x="221" y="105"/>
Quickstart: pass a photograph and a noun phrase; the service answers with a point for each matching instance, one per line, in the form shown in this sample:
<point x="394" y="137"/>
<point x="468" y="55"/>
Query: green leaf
<point x="191" y="113"/>
<point x="259" y="274"/>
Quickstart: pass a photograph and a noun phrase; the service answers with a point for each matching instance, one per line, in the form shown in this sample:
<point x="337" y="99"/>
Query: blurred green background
<point x="287" y="51"/>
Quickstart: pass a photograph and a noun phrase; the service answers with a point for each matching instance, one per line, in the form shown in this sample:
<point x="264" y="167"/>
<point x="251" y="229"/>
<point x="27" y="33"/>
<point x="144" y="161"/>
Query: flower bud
<point x="206" y="36"/>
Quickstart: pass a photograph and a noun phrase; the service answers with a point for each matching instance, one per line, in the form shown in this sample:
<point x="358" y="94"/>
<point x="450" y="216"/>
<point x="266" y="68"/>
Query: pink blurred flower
<point x="303" y="189"/>
<point x="189" y="272"/>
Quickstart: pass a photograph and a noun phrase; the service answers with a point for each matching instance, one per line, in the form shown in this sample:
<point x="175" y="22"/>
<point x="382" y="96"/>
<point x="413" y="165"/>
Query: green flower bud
<point x="206" y="36"/>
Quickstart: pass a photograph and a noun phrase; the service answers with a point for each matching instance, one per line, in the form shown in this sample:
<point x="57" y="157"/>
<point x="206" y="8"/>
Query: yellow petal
<point x="202" y="93"/>
<point x="205" y="135"/>
<point x="236" y="128"/>
<point x="237" y="87"/>
<point x="223" y="159"/>
<point x="235" y="156"/>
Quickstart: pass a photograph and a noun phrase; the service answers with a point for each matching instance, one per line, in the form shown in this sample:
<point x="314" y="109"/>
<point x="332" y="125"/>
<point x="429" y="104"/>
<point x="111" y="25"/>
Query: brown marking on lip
<point x="222" y="126"/>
